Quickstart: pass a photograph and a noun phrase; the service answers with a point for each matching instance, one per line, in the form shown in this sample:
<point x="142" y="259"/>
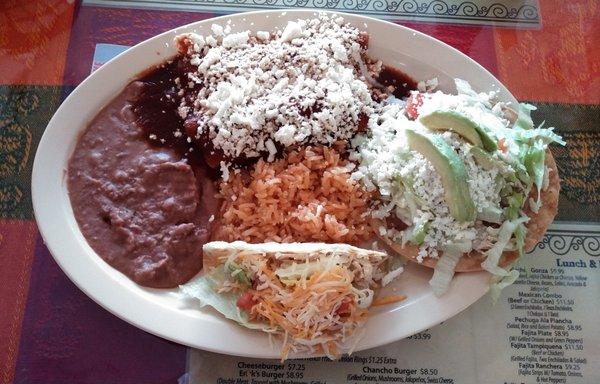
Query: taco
<point x="315" y="295"/>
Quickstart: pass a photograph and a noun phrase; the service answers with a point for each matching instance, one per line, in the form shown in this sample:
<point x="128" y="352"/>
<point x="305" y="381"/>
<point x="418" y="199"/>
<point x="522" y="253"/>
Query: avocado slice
<point x="487" y="162"/>
<point x="467" y="128"/>
<point x="483" y="158"/>
<point x="450" y="168"/>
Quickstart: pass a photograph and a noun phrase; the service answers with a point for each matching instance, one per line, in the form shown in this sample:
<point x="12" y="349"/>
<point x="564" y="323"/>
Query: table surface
<point x="50" y="332"/>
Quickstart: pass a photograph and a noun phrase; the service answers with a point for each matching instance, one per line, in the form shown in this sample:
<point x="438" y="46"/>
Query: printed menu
<point x="543" y="329"/>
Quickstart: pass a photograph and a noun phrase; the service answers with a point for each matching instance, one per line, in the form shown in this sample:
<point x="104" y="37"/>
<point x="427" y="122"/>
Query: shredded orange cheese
<point x="317" y="313"/>
<point x="388" y="299"/>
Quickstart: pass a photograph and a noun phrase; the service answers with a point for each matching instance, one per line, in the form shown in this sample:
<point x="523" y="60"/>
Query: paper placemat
<point x="509" y="13"/>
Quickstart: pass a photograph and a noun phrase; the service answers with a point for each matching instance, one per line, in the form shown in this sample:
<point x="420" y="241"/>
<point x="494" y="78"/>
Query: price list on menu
<point x="543" y="329"/>
<point x="545" y="333"/>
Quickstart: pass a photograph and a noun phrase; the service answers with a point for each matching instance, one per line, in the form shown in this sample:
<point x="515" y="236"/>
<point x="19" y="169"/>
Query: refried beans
<point x="145" y="208"/>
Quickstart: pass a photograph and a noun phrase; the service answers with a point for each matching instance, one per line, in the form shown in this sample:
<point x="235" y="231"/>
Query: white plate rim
<point x="63" y="238"/>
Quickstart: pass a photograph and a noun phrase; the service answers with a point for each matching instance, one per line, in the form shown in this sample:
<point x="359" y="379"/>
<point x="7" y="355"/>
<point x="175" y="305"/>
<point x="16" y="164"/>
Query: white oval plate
<point x="162" y="312"/>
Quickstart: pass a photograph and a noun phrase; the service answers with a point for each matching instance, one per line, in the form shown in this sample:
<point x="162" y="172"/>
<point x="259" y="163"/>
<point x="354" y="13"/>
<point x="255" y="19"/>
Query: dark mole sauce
<point x="401" y="82"/>
<point x="156" y="110"/>
<point x="395" y="222"/>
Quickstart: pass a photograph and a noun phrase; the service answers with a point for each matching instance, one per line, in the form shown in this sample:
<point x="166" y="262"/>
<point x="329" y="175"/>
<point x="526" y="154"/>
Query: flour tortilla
<point x="536" y="227"/>
<point x="216" y="252"/>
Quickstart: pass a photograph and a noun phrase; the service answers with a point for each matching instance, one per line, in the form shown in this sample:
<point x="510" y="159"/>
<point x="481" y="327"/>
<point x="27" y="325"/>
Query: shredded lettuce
<point x="464" y="88"/>
<point x="520" y="233"/>
<point x="413" y="201"/>
<point x="395" y="267"/>
<point x="533" y="159"/>
<point x="491" y="215"/>
<point x="532" y="145"/>
<point x="444" y="269"/>
<point x="391" y="275"/>
<point x="530" y="168"/>
<point x="291" y="274"/>
<point x="204" y="289"/>
<point x="499" y="283"/>
<point x="524" y="120"/>
<point x="493" y="255"/>
<point x="418" y="233"/>
<point x="502" y="278"/>
<point x="523" y="175"/>
<point x="547" y="135"/>
<point x="407" y="183"/>
<point x="515" y="203"/>
<point x="238" y="273"/>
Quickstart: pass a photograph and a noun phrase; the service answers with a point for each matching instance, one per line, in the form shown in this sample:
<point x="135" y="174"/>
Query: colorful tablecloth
<point x="50" y="332"/>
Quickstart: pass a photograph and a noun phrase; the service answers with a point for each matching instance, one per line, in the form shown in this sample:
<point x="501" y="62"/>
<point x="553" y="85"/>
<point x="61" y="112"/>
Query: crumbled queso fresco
<point x="386" y="161"/>
<point x="255" y="93"/>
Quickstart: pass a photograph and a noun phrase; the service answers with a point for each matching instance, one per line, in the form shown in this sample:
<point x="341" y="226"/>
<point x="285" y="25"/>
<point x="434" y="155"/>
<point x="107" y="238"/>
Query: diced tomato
<point x="246" y="301"/>
<point x="344" y="308"/>
<point x="414" y="101"/>
<point x="363" y="121"/>
<point x="502" y="145"/>
<point x="363" y="39"/>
